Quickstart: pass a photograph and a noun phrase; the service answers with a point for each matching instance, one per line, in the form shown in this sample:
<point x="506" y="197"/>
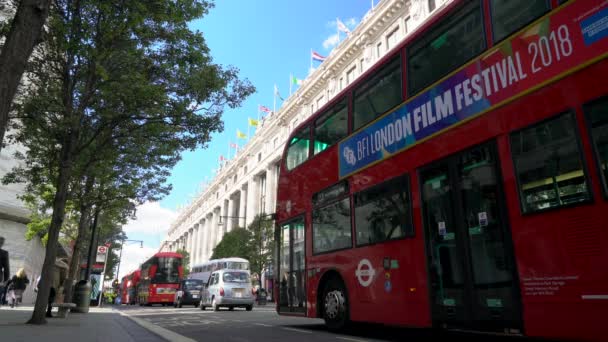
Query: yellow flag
<point x="253" y="122"/>
<point x="240" y="134"/>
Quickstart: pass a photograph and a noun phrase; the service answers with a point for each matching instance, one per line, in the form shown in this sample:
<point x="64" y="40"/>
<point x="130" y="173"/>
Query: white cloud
<point x="132" y="256"/>
<point x="331" y="41"/>
<point x="151" y="219"/>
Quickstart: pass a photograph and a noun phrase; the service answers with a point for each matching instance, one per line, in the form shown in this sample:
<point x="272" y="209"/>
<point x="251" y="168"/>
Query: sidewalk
<point x="100" y="324"/>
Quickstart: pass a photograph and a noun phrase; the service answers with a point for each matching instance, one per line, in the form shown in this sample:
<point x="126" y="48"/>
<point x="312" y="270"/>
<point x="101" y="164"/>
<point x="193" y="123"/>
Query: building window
<point x="245" y="170"/>
<point x="406" y="25"/>
<point x="260" y="156"/>
<point x="225" y="187"/>
<point x="341" y="83"/>
<point x="510" y="16"/>
<point x="597" y="117"/>
<point x="377" y="94"/>
<point x="275" y="143"/>
<point x="299" y="148"/>
<point x="234" y="179"/>
<point x="449" y="45"/>
<point x="331" y="127"/>
<point x="432" y="5"/>
<point x="320" y="102"/>
<point x="362" y="64"/>
<point x="351" y="74"/>
<point x="392" y="38"/>
<point x="549" y="165"/>
<point x="383" y="212"/>
<point x="379" y="50"/>
<point x="331" y="227"/>
<point x="262" y="207"/>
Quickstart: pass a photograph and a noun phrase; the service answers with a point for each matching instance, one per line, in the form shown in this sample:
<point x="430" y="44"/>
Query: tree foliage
<point x="185" y="261"/>
<point x="235" y="243"/>
<point x="122" y="89"/>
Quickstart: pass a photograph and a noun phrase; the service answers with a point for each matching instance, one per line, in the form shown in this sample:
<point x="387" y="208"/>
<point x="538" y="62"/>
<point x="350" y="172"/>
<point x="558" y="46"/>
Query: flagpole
<point x="338" y="29"/>
<point x="274" y="101"/>
<point x="290" y="81"/>
<point x="310" y="61"/>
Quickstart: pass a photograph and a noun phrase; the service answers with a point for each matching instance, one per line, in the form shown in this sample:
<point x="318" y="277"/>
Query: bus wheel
<point x="335" y="305"/>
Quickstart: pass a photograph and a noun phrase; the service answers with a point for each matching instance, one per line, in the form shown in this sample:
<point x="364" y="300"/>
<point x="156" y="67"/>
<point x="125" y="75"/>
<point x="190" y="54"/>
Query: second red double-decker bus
<point x="461" y="183"/>
<point x="159" y="278"/>
<point x="129" y="286"/>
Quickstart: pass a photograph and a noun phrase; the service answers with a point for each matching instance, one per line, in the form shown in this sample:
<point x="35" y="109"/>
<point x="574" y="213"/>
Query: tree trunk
<point x="48" y="268"/>
<point x="24" y="34"/>
<point x="75" y="262"/>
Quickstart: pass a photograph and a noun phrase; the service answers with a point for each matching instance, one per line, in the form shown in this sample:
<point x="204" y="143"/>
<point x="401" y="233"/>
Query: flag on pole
<point x="265" y="109"/>
<point x="240" y="134"/>
<point x="276" y="92"/>
<point x="317" y="57"/>
<point x="295" y="80"/>
<point x="341" y="26"/>
<point x="253" y="122"/>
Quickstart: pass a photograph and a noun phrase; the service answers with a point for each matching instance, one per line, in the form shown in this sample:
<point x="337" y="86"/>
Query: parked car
<point x="188" y="293"/>
<point x="228" y="288"/>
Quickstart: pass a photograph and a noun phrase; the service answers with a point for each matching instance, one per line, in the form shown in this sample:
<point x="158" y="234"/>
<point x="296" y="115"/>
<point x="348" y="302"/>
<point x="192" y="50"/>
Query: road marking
<point x="162" y="332"/>
<point x="298" y="330"/>
<point x="262" y="324"/>
<point x="350" y="339"/>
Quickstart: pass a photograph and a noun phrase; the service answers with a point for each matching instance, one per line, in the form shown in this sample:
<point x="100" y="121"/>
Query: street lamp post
<point x="120" y="257"/>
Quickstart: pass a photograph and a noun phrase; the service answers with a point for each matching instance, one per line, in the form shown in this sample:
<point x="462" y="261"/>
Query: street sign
<point x="102" y="251"/>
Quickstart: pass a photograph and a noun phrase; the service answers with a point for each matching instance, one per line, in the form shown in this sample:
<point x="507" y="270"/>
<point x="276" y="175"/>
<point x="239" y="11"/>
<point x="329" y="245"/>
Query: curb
<point x="162" y="332"/>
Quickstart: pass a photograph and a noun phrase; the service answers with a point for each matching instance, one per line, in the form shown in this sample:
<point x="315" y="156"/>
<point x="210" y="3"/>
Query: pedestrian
<point x="17" y="286"/>
<point x="4" y="271"/>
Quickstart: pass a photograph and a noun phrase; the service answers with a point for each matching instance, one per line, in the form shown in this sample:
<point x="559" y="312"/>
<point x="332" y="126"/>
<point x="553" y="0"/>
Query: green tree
<point x="185" y="261"/>
<point x="261" y="243"/>
<point x="235" y="243"/>
<point x="129" y="76"/>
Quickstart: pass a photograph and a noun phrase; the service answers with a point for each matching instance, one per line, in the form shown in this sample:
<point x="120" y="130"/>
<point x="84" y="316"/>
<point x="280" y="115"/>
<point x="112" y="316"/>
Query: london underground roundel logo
<point x="365" y="272"/>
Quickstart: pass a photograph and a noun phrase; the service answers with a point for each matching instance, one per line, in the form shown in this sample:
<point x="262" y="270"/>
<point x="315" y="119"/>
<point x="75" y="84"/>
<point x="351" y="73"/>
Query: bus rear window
<point x="299" y="148"/>
<point x="378" y="94"/>
<point x="446" y="47"/>
<point x="597" y="116"/>
<point x="549" y="165"/>
<point x="509" y="16"/>
<point x="331" y="127"/>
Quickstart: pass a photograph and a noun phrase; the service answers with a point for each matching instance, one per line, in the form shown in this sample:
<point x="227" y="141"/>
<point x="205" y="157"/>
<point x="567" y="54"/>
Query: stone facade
<point x="246" y="185"/>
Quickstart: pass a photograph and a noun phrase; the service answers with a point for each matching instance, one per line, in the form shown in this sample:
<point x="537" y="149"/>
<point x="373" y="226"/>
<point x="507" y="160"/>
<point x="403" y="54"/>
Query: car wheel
<point x="231" y="308"/>
<point x="202" y="307"/>
<point x="214" y="305"/>
<point x="249" y="307"/>
<point x="335" y="305"/>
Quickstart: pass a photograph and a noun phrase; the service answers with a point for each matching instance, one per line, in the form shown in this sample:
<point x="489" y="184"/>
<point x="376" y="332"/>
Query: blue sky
<point x="267" y="40"/>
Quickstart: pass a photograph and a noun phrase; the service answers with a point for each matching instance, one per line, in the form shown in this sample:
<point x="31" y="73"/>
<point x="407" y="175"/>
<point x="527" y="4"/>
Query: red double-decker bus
<point x="159" y="278"/>
<point x="461" y="183"/>
<point x="129" y="286"/>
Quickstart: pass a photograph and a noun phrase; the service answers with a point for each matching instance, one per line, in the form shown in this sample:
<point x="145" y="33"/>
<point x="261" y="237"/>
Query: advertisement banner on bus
<point x="550" y="49"/>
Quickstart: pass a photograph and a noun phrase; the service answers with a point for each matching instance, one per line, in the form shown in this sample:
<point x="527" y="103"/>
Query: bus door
<point x="291" y="272"/>
<point x="473" y="281"/>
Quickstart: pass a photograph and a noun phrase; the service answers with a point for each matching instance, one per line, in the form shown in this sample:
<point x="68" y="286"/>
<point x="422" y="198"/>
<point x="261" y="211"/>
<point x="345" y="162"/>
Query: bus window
<point x="548" y="164"/>
<point x="597" y="116"/>
<point x="509" y="16"/>
<point x="378" y="94"/>
<point x="299" y="148"/>
<point x="331" y="127"/>
<point x="383" y="212"/>
<point x="446" y="47"/>
<point x="331" y="227"/>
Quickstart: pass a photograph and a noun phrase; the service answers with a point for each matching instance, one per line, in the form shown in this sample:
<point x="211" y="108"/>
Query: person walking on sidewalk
<point x="4" y="271"/>
<point x="17" y="285"/>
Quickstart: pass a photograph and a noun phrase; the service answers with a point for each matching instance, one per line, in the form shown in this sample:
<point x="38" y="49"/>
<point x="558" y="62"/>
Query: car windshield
<point x="193" y="284"/>
<point x="236" y="277"/>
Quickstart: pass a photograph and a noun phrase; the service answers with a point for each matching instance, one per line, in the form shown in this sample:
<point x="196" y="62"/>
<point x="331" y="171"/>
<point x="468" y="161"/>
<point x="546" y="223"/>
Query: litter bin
<point x="261" y="297"/>
<point x="82" y="294"/>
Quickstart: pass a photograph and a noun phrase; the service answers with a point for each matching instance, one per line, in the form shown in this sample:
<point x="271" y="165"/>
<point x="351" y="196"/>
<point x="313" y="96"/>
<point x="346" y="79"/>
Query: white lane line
<point x="350" y="339"/>
<point x="298" y="330"/>
<point x="262" y="324"/>
<point x="162" y="332"/>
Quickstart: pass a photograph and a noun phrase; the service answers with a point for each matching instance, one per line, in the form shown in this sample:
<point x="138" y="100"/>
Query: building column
<point x="252" y="199"/>
<point x="215" y="228"/>
<point x="230" y="221"/>
<point x="271" y="188"/>
<point x="194" y="255"/>
<point x="208" y="219"/>
<point x="199" y="251"/>
<point x="242" y="206"/>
